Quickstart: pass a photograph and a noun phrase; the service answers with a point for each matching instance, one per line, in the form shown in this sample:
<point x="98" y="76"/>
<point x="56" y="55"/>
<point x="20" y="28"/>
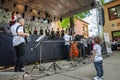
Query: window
<point x="83" y="28"/>
<point x="114" y="12"/>
<point x="115" y="34"/>
<point x="107" y="1"/>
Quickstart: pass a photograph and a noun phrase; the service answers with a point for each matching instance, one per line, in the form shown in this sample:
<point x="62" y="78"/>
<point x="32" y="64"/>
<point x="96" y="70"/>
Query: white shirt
<point x="15" y="18"/>
<point x="17" y="39"/>
<point x="67" y="39"/>
<point x="98" y="55"/>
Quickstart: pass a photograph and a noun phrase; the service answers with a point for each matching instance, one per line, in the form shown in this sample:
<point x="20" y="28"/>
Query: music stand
<point x="39" y="40"/>
<point x="54" y="65"/>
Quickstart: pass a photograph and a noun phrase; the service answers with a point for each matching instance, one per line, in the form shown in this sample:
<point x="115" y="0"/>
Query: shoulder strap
<point x="17" y="28"/>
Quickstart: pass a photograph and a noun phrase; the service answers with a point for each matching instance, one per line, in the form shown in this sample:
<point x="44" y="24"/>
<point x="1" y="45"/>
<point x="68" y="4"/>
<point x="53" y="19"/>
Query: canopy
<point x="48" y="8"/>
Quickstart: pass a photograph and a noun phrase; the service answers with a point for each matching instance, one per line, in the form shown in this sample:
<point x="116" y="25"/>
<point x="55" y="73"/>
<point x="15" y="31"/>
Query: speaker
<point x="30" y="10"/>
<point x="6" y="10"/>
<point x="17" y="12"/>
<point x="33" y="18"/>
<point x="39" y="12"/>
<point x="23" y="15"/>
<point x="26" y="7"/>
<point x="101" y="16"/>
<point x="38" y="17"/>
<point x="14" y="5"/>
<point x="60" y="19"/>
<point x="54" y="18"/>
<point x="46" y="14"/>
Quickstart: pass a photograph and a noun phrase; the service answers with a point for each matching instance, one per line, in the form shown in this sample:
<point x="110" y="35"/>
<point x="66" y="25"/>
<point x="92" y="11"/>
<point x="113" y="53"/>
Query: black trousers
<point x="20" y="52"/>
<point x="67" y="49"/>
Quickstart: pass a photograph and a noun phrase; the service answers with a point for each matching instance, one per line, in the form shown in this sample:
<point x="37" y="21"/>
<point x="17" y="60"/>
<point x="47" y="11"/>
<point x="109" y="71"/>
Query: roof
<point x="50" y="8"/>
<point x="82" y="21"/>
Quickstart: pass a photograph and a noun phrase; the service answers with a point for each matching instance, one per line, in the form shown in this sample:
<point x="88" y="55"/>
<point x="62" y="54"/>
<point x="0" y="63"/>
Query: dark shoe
<point x="21" y="70"/>
<point x="68" y="60"/>
<point x="16" y="70"/>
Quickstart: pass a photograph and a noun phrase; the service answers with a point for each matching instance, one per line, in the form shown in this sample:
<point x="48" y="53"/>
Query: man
<point x="47" y="31"/>
<point x="57" y="33"/>
<point x="67" y="39"/>
<point x="18" y="42"/>
<point x="62" y="33"/>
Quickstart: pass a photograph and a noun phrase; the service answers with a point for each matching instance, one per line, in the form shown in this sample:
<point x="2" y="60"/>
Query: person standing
<point x="118" y="44"/>
<point x="19" y="43"/>
<point x="52" y="34"/>
<point x="62" y="33"/>
<point x="97" y="58"/>
<point x="47" y="31"/>
<point x="41" y="31"/>
<point x="57" y="34"/>
<point x="35" y="31"/>
<point x="67" y="39"/>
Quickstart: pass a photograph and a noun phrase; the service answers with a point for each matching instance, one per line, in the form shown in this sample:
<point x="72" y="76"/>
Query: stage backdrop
<point x="7" y="52"/>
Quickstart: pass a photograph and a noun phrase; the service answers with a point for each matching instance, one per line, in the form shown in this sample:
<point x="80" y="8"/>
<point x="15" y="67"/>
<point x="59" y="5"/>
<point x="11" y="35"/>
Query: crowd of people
<point x="115" y="44"/>
<point x="90" y="46"/>
<point x="52" y="34"/>
<point x="95" y="52"/>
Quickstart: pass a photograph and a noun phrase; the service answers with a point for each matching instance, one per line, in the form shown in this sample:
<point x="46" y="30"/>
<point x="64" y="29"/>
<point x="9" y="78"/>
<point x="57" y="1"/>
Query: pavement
<point x="80" y="72"/>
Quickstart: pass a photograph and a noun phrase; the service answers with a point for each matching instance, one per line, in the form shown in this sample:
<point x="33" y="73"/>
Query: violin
<point x="74" y="52"/>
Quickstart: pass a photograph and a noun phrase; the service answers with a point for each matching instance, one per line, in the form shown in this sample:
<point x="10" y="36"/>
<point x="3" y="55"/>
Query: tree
<point x="66" y="22"/>
<point x="82" y="15"/>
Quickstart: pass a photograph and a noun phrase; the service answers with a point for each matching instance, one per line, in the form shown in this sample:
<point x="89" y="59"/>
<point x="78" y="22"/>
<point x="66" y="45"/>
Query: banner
<point x="107" y="43"/>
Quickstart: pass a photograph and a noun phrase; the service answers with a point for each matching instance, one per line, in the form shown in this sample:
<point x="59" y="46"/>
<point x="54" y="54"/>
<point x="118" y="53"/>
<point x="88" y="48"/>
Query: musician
<point x="19" y="43"/>
<point x="41" y="31"/>
<point x="52" y="34"/>
<point x="62" y="33"/>
<point x="35" y="31"/>
<point x="57" y="33"/>
<point x="67" y="39"/>
<point x="47" y="31"/>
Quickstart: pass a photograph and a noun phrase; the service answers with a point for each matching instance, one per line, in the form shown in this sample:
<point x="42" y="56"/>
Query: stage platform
<point x="82" y="72"/>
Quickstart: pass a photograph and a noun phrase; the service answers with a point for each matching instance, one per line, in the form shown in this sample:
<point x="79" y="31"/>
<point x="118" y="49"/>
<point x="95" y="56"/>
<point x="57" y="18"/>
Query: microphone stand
<point x="54" y="65"/>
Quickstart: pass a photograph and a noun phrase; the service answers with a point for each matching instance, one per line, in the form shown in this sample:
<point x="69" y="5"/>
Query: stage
<point x="81" y="72"/>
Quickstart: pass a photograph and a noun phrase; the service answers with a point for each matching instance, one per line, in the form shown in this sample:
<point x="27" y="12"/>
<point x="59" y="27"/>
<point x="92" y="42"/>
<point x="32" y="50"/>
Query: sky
<point x="92" y="20"/>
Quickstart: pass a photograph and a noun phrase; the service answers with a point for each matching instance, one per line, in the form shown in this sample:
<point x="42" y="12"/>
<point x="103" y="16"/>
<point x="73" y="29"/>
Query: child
<point x="97" y="59"/>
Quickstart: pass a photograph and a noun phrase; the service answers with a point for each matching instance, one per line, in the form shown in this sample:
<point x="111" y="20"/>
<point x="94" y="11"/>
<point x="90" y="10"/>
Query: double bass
<point x="74" y="52"/>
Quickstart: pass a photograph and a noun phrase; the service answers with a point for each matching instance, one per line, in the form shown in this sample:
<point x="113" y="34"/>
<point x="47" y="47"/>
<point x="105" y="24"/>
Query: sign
<point x="106" y="37"/>
<point x="107" y="43"/>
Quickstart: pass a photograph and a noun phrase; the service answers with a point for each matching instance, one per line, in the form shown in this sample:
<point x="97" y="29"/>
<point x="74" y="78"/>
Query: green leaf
<point x="82" y="15"/>
<point x="65" y="22"/>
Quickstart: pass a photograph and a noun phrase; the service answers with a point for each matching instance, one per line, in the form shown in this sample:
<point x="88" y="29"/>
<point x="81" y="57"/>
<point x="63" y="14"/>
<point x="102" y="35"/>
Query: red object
<point x="35" y="31"/>
<point x="13" y="18"/>
<point x="74" y="51"/>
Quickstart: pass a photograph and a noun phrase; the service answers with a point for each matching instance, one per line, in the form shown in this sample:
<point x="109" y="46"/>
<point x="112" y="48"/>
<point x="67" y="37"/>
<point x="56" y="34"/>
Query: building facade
<point x="112" y="19"/>
<point x="81" y="28"/>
